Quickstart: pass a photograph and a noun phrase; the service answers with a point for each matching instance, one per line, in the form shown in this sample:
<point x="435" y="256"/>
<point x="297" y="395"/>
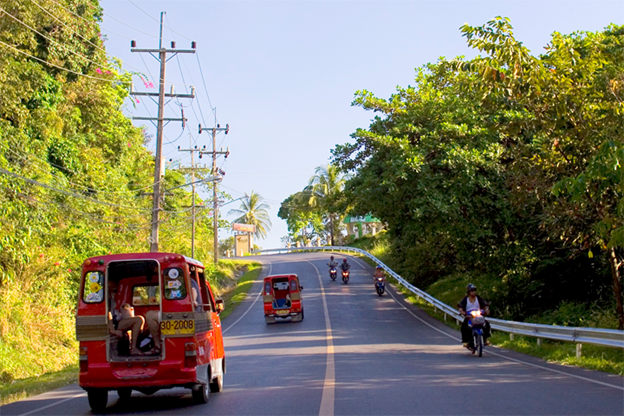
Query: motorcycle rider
<point x="345" y="266"/>
<point x="472" y="302"/>
<point x="378" y="273"/>
<point x="332" y="263"/>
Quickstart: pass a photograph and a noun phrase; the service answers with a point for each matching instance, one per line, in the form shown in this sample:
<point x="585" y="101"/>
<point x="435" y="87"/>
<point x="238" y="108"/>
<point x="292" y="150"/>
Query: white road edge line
<point x="509" y="358"/>
<point x="53" y="404"/>
<point x="329" y="386"/>
<point x="250" y="306"/>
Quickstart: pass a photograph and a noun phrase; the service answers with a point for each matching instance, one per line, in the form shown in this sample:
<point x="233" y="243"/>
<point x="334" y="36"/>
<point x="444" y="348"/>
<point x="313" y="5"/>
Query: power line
<point x="206" y="89"/>
<point x="78" y="34"/>
<point x="27" y="157"/>
<point x="57" y="66"/>
<point x="43" y="185"/>
<point x="48" y="38"/>
<point x="92" y="216"/>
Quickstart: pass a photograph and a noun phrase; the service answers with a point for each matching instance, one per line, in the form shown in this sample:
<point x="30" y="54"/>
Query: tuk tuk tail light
<point x="190" y="354"/>
<point x="84" y="359"/>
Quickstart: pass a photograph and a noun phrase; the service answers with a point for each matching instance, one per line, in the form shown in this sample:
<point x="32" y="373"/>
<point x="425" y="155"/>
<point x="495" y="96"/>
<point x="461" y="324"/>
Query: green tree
<point x="325" y="189"/>
<point x="505" y="165"/>
<point x="254" y="211"/>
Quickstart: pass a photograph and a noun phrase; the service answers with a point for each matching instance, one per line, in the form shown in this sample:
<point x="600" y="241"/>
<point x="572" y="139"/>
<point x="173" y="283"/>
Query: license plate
<point x="177" y="327"/>
<point x="284" y="312"/>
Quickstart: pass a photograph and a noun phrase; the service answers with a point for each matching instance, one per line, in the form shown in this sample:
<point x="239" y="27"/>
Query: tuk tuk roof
<point x="144" y="256"/>
<point x="275" y="276"/>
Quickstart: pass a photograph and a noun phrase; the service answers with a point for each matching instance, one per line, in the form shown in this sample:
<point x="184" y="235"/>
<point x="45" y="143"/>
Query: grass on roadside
<point x="31" y="386"/>
<point x="593" y="357"/>
<point x="237" y="294"/>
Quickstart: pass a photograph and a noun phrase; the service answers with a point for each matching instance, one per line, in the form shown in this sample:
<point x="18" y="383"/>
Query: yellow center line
<point x="329" y="386"/>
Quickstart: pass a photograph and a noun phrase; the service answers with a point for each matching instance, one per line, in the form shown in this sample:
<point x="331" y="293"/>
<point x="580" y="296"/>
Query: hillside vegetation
<point x="74" y="172"/>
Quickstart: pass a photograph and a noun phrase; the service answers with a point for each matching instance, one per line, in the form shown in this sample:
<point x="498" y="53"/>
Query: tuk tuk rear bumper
<point x="168" y="374"/>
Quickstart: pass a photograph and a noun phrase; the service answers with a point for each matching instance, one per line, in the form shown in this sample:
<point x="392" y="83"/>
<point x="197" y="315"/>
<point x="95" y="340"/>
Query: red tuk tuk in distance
<point x="282" y="298"/>
<point x="145" y="322"/>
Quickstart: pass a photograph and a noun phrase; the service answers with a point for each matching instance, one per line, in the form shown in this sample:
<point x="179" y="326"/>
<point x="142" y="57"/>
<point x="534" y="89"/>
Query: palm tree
<point x="324" y="188"/>
<point x="254" y="211"/>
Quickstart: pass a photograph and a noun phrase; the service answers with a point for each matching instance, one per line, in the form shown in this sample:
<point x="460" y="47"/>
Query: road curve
<point x="356" y="353"/>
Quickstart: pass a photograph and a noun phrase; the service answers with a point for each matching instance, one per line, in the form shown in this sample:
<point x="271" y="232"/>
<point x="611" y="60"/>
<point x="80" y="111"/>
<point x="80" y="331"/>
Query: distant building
<point x="358" y="227"/>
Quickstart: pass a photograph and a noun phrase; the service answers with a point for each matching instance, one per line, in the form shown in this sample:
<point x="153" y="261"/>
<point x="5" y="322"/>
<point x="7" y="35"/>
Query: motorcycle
<point x="380" y="285"/>
<point x="345" y="276"/>
<point x="332" y="273"/>
<point x="476" y="322"/>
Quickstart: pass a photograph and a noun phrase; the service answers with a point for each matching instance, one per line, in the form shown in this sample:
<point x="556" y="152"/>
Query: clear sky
<point x="283" y="74"/>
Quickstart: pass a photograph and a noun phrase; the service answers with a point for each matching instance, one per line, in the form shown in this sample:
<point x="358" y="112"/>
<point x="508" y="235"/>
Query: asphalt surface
<point x="356" y="353"/>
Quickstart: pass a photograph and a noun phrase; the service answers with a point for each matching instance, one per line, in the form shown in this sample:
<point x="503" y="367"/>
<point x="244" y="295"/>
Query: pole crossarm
<point x="155" y="94"/>
<point x="163" y="119"/>
<point x="163" y="50"/>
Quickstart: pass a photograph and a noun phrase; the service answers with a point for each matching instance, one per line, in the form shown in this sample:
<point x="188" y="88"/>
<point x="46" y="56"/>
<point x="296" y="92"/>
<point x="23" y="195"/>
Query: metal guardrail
<point x="596" y="336"/>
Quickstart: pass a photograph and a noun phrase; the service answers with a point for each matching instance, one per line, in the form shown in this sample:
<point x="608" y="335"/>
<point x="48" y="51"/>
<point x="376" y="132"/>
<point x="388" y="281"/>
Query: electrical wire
<point x="67" y="48"/>
<point x="85" y="20"/>
<point x="92" y="216"/>
<point x="59" y="67"/>
<point x="153" y="18"/>
<point x="79" y="35"/>
<point x="206" y="88"/>
<point x="43" y="185"/>
<point x="27" y="157"/>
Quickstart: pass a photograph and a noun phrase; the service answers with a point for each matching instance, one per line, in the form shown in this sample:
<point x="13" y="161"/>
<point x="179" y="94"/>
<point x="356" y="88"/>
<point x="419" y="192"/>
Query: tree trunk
<point x="331" y="229"/>
<point x="617" y="284"/>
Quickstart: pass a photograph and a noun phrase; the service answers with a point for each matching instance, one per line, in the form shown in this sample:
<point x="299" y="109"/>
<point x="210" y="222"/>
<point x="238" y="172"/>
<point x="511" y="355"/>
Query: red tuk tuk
<point x="282" y="298"/>
<point x="145" y="322"/>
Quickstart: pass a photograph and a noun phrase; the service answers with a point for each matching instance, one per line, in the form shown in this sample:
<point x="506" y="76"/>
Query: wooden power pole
<point x="158" y="171"/>
<point x="215" y="172"/>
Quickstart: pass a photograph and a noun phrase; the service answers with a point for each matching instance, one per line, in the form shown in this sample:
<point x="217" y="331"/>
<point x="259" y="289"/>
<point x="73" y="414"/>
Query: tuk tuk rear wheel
<point x="200" y="393"/>
<point x="98" y="398"/>
<point x="216" y="385"/>
<point x="124" y="393"/>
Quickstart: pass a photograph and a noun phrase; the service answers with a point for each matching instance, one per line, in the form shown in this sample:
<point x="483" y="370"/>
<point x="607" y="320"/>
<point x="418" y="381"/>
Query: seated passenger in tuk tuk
<point x="121" y="319"/>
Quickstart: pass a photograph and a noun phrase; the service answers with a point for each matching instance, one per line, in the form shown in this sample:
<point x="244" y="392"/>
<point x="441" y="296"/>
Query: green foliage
<point x="254" y="211"/>
<point x="505" y="169"/>
<point x="316" y="212"/>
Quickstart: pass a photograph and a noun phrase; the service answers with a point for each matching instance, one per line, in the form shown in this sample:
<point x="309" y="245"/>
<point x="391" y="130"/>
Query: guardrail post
<point x="578" y="351"/>
<point x="511" y="336"/>
<point x="444" y="317"/>
<point x="539" y="342"/>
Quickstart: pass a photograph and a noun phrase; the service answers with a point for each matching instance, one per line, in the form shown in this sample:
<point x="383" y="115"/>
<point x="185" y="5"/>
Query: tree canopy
<point x="507" y="165"/>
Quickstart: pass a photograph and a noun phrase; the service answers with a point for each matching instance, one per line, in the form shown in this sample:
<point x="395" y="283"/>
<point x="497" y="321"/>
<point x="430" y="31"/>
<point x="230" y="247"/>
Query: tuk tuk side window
<point x="93" y="287"/>
<point x="146" y="295"/>
<point x="174" y="284"/>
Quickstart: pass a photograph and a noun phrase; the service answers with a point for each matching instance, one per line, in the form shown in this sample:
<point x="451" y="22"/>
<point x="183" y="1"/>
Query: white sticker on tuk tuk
<point x="94" y="277"/>
<point x="94" y="297"/>
<point x="174" y="284"/>
<point x="173" y="274"/>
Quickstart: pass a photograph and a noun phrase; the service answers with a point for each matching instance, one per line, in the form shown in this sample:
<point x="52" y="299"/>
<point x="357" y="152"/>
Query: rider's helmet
<point x="378" y="267"/>
<point x="344" y="260"/>
<point x="470" y="287"/>
<point x="331" y="257"/>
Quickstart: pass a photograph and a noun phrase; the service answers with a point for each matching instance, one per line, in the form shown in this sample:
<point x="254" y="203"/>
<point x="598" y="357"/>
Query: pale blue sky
<point x="283" y="73"/>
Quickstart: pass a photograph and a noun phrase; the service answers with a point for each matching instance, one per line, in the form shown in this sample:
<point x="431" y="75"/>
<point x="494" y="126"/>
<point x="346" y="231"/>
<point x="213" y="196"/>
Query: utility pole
<point x="158" y="171"/>
<point x="193" y="169"/>
<point x="215" y="200"/>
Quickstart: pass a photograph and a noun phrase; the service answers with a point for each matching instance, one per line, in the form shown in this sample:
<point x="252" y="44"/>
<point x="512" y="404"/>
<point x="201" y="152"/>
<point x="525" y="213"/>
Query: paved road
<point x="357" y="353"/>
